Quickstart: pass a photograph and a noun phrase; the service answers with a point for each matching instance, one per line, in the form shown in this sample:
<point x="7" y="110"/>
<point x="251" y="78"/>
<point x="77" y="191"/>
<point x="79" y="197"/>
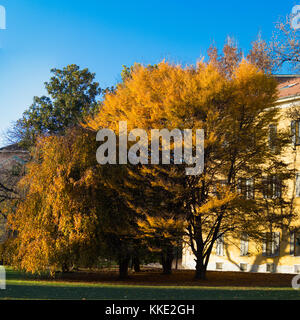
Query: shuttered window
<point x="292" y="243"/>
<point x="295" y="244"/>
<point x="298" y="185"/>
<point x="271" y="245"/>
<point x="272" y="187"/>
<point x="218" y="186"/>
<point x="220" y="246"/>
<point x="295" y="125"/>
<point x="246" y="188"/>
<point x="244" y="244"/>
<point x="272" y="137"/>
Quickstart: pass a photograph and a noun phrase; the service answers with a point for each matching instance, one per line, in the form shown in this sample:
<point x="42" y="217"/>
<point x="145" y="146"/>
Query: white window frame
<point x="272" y="187"/>
<point x="219" y="265"/>
<point x="272" y="137"/>
<point x="274" y="249"/>
<point x="220" y="246"/>
<point x="243" y="267"/>
<point x="294" y="237"/>
<point x="295" y="128"/>
<point x="297" y="268"/>
<point x="297" y="182"/>
<point x="244" y="245"/>
<point x="246" y="187"/>
<point x="271" y="266"/>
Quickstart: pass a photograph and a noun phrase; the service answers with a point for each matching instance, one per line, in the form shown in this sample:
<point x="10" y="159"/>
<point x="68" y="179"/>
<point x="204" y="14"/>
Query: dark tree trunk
<point x="136" y="264"/>
<point x="167" y="257"/>
<point x="200" y="270"/>
<point x="123" y="267"/>
<point x="177" y="257"/>
<point x="65" y="268"/>
<point x="201" y="260"/>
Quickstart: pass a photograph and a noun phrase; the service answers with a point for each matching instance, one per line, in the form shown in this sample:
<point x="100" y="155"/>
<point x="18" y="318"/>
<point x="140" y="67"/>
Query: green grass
<point x="22" y="286"/>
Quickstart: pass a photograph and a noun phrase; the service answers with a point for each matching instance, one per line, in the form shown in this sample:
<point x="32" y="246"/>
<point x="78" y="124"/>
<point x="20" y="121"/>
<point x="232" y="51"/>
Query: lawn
<point x="103" y="286"/>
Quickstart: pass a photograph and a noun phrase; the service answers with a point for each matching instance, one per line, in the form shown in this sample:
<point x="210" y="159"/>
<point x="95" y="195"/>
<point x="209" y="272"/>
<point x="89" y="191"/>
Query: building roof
<point x="12" y="148"/>
<point x="289" y="85"/>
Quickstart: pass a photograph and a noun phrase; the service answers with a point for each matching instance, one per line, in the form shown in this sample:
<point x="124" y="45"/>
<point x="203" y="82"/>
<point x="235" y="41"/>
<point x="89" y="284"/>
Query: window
<point x="295" y="125"/>
<point x="219" y="265"/>
<point x="295" y="244"/>
<point x="298" y="185"/>
<point x="271" y="245"/>
<point x="218" y="186"/>
<point x="272" y="187"/>
<point x="16" y="170"/>
<point x="220" y="246"/>
<point x="243" y="267"/>
<point x="297" y="268"/>
<point x="272" y="137"/>
<point x="270" y="267"/>
<point x="244" y="244"/>
<point x="246" y="188"/>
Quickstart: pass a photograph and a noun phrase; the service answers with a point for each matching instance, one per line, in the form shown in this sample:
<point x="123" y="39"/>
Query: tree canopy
<point x="233" y="101"/>
<point x="72" y="95"/>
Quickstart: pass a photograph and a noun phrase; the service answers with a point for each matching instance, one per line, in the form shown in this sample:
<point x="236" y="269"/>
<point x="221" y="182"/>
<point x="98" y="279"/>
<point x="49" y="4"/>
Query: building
<point x="281" y="252"/>
<point x="12" y="161"/>
<point x="12" y="156"/>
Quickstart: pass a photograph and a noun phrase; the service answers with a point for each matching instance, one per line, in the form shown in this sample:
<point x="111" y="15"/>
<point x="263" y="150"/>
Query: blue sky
<point x="104" y="35"/>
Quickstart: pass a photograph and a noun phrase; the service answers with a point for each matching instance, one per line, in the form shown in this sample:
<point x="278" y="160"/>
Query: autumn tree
<point x="260" y="55"/>
<point x="231" y="56"/>
<point x="228" y="59"/>
<point x="72" y="95"/>
<point x="233" y="101"/>
<point x="162" y="235"/>
<point x="69" y="216"/>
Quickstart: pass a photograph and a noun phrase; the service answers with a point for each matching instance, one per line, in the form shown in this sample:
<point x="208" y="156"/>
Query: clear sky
<point x="104" y="35"/>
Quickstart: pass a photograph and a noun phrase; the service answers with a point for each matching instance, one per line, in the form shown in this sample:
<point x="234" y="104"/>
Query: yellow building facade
<point x="282" y="253"/>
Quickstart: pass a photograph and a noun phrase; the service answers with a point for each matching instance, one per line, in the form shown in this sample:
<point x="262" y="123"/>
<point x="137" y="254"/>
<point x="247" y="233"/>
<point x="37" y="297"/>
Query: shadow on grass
<point x="26" y="286"/>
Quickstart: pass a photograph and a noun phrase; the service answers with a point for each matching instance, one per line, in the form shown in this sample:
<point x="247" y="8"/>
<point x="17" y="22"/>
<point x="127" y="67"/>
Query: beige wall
<point x="255" y="260"/>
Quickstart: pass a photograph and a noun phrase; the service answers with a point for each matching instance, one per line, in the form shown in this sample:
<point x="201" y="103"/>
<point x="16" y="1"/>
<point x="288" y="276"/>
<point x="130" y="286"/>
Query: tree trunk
<point x="123" y="267"/>
<point x="200" y="270"/>
<point x="177" y="258"/>
<point x="202" y="262"/>
<point x="65" y="268"/>
<point x="167" y="257"/>
<point x="136" y="264"/>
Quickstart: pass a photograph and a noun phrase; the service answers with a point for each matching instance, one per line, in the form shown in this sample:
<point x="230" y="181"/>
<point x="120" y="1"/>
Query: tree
<point x="72" y="96"/>
<point x="285" y="45"/>
<point x="260" y="55"/>
<point x="8" y="190"/>
<point x="163" y="235"/>
<point x="12" y="169"/>
<point x="69" y="216"/>
<point x="229" y="59"/>
<point x="233" y="102"/>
